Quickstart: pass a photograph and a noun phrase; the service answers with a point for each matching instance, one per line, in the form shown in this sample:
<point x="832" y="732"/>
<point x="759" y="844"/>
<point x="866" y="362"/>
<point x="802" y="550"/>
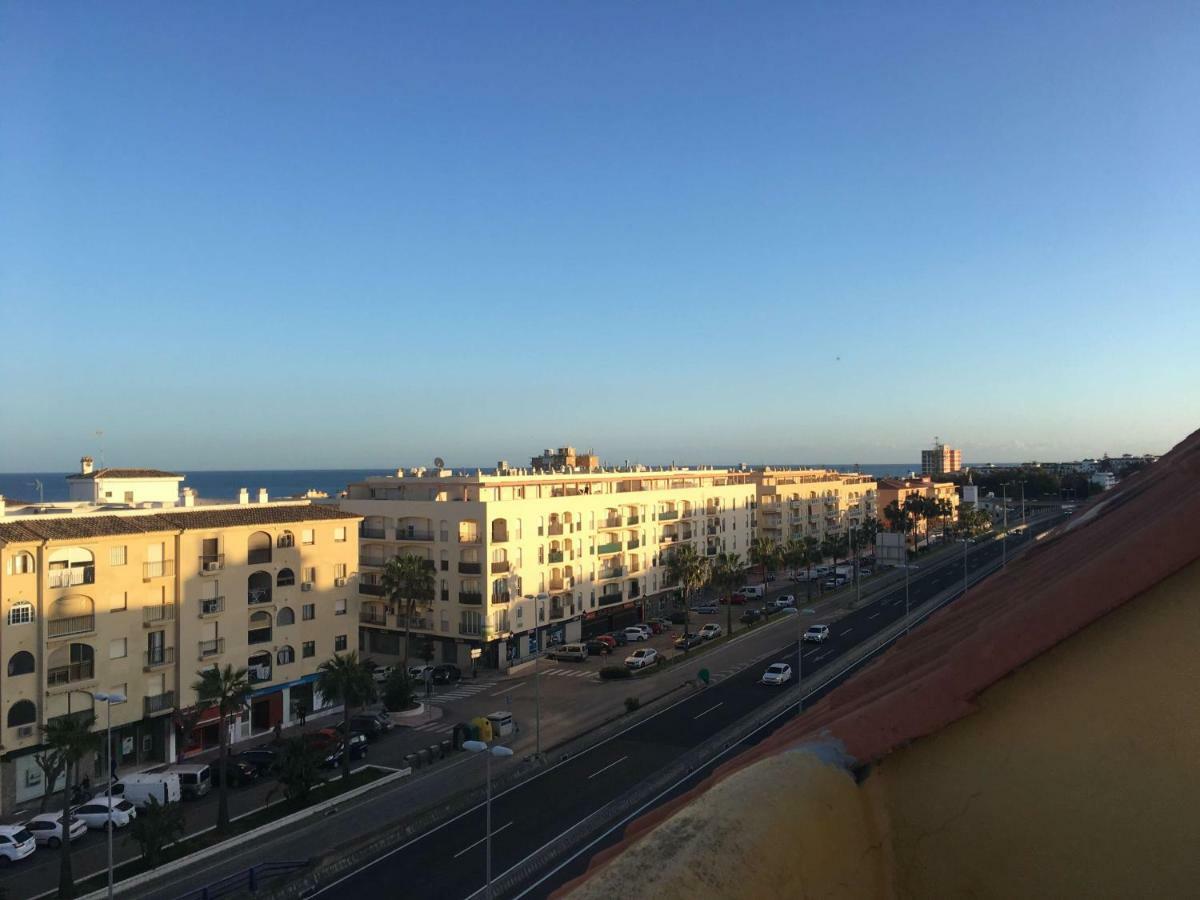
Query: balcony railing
<point x="473" y="630"/>
<point x="153" y="659"/>
<point x="634" y="544"/>
<point x="257" y="596"/>
<point x="632" y="520"/>
<point x="413" y="535"/>
<point x="212" y="648"/>
<point x="500" y="566"/>
<point x="613" y="547"/>
<point x="57" y="628"/>
<point x="258" y="673"/>
<point x="212" y="606"/>
<point x="615" y="572"/>
<point x="471" y="598"/>
<point x="80" y="671"/>
<point x="372" y="616"/>
<point x="669" y="538"/>
<point x="378" y="533"/>
<point x="611" y="522"/>
<point x="554" y="528"/>
<point x="211" y="562"/>
<point x="468" y="538"/>
<point x="557" y="611"/>
<point x="374" y="563"/>
<point x="159" y="612"/>
<point x="610" y="599"/>
<point x="158" y="568"/>
<point x="555" y="556"/>
<point x="470" y="568"/>
<point x="82" y="716"/>
<point x="159" y="703"/>
<point x="499" y="537"/>
<point x="501" y="596"/>
<point x="259" y="557"/>
<point x="60" y="578"/>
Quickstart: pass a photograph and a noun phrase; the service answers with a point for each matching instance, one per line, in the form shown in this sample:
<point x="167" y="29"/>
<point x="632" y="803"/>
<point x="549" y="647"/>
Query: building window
<point x="308" y="612"/>
<point x="339" y="607"/>
<point x="308" y="536"/>
<point x="339" y="570"/>
<point x="310" y="574"/>
<point x="339" y="643"/>
<point x="339" y="533"/>
<point x="20" y="613"/>
<point x="20" y="564"/>
<point x="121" y="690"/>
<point x="117" y="556"/>
<point x="118" y="603"/>
<point x="308" y="649"/>
<point x="285" y="616"/>
<point x="23" y="712"/>
<point x="118" y="648"/>
<point x="285" y="655"/>
<point x="21" y="663"/>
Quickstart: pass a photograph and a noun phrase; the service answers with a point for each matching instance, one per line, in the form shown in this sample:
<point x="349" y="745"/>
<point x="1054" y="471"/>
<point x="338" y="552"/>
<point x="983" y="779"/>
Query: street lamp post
<point x="1004" y="539"/>
<point x="488" y="752"/>
<point x="108" y="700"/>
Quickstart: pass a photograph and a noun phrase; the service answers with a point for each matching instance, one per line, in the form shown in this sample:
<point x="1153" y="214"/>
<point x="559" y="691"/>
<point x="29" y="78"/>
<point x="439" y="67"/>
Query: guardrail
<point x="249" y="880"/>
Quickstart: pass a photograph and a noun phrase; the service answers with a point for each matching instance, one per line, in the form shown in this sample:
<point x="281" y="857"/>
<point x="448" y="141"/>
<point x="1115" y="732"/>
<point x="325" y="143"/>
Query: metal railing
<point x="212" y="562"/>
<point x="611" y="522"/>
<point x="470" y="568"/>
<point x="211" y="606"/>
<point x="158" y="703"/>
<point x="612" y="547"/>
<point x="256" y="596"/>
<point x="212" y="648"/>
<point x="406" y="535"/>
<point x="374" y="533"/>
<point x="668" y="516"/>
<point x="375" y="590"/>
<point x="159" y="612"/>
<point x="471" y="598"/>
<point x="158" y="568"/>
<point x="80" y="671"/>
<point x="56" y="628"/>
<point x="500" y="567"/>
<point x="555" y="556"/>
<point x="259" y="557"/>
<point x="163" y="656"/>
<point x="60" y="578"/>
<point x="372" y="616"/>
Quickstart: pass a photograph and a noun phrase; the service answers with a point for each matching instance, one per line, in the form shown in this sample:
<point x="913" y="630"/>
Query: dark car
<point x="688" y="641"/>
<point x="384" y="718"/>
<point x="365" y="723"/>
<point x="598" y="647"/>
<point x="750" y="616"/>
<point x="358" y="750"/>
<point x="678" y="617"/>
<point x="235" y="772"/>
<point x="446" y="674"/>
<point x="619" y="637"/>
<point x="264" y="759"/>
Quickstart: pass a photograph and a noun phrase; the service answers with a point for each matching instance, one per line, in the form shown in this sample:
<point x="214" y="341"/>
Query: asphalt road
<point x="449" y="860"/>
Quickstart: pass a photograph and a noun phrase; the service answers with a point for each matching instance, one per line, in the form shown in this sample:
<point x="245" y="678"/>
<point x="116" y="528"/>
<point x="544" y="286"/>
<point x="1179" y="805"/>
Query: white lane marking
<point x="710" y="709"/>
<point x="507" y="689"/>
<point x="495" y="831"/>
<point x="606" y="768"/>
<point x="873" y="615"/>
<point x="846" y="632"/>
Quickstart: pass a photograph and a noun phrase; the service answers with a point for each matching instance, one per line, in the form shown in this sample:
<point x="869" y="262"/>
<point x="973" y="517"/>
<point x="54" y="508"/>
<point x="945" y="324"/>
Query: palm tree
<point x="901" y="518"/>
<point x="407" y="579"/>
<point x="345" y="678"/>
<point x="724" y="575"/>
<point x="70" y="738"/>
<point x="835" y="545"/>
<point x="689" y="570"/>
<point x="763" y="552"/>
<point x="812" y="556"/>
<point x="945" y="511"/>
<point x="914" y="505"/>
<point x="227" y="689"/>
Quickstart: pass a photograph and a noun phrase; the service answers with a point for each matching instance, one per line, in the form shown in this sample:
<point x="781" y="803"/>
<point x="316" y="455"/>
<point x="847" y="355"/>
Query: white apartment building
<point x="799" y="503"/>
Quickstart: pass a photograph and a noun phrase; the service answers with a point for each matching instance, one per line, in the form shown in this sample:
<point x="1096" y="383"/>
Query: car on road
<point x="705" y="609"/>
<point x="619" y="637"/>
<point x="597" y="647"/>
<point x="16" y="843"/>
<point x="867" y="571"/>
<point x="358" y="750"/>
<point x="95" y="812"/>
<point x="750" y="616"/>
<point x="46" y="828"/>
<point x="237" y="771"/>
<point x="835" y="582"/>
<point x="736" y="599"/>
<point x="322" y="740"/>
<point x="816" y="633"/>
<point x="687" y="641"/>
<point x="264" y="759"/>
<point x="664" y="622"/>
<point x="446" y="673"/>
<point x="639" y="659"/>
<point x="785" y="600"/>
<point x="569" y="653"/>
<point x="607" y="639"/>
<point x="633" y="633"/>
<point x="710" y="631"/>
<point x="417" y="673"/>
<point x="384" y="718"/>
<point x="777" y="673"/>
<point x="365" y="723"/>
<point x="380" y="674"/>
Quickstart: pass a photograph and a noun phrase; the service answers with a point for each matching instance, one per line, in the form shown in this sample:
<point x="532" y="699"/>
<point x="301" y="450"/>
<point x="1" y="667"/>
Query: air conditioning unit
<point x="306" y="585"/>
<point x="25" y="731"/>
<point x="339" y="582"/>
<point x="212" y="566"/>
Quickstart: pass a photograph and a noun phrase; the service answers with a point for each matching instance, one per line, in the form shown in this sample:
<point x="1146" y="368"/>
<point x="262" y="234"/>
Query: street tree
<point x="344" y="678"/>
<point x="689" y="570"/>
<point x="407" y="580"/>
<point x="227" y="689"/>
<point x="724" y="575"/>
<point x="71" y="739"/>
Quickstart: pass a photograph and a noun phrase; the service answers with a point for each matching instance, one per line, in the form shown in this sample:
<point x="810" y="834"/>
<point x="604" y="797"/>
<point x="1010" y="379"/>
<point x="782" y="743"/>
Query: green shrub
<point x="608" y="673"/>
<point x="397" y="691"/>
<point x="156" y="826"/>
<point x="299" y="768"/>
<point x="632" y="703"/>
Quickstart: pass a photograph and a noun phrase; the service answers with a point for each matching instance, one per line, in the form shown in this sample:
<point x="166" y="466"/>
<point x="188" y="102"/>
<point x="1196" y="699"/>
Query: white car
<point x="785" y="600"/>
<point x="95" y="812"/>
<point x="633" y="633"/>
<point x="818" y="633"/>
<point x="417" y="673"/>
<point x="777" y="673"/>
<point x="15" y="843"/>
<point x="382" y="673"/>
<point x="47" y="828"/>
<point x="710" y="631"/>
<point x="647" y="629"/>
<point x="639" y="659"/>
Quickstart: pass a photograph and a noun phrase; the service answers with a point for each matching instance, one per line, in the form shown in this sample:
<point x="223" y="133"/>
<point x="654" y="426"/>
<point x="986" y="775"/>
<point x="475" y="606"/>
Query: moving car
<point x="633" y="633"/>
<point x="647" y="656"/>
<point x="777" y="673"/>
<point x="755" y="591"/>
<point x="835" y="582"/>
<point x="238" y="772"/>
<point x="706" y="608"/>
<point x="785" y="600"/>
<point x="367" y="724"/>
<point x="16" y="843"/>
<point x="358" y="750"/>
<point x="95" y="812"/>
<point x="710" y="631"/>
<point x="138" y="789"/>
<point x="738" y="599"/>
<point x="687" y="641"/>
<point x="446" y="673"/>
<point x="47" y="828"/>
<point x="817" y="633"/>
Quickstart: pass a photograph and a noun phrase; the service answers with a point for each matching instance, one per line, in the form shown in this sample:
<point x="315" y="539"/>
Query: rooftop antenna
<point x="37" y="483"/>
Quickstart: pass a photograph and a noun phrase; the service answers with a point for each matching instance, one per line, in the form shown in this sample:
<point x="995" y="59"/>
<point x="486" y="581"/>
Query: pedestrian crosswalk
<point x="460" y="691"/>
<point x="437" y="728"/>
<point x="571" y="673"/>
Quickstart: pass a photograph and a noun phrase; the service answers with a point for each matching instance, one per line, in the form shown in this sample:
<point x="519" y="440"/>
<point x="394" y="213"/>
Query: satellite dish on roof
<point x="439" y="462"/>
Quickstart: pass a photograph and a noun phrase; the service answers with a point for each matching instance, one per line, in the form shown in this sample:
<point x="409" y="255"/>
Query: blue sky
<point x="309" y="234"/>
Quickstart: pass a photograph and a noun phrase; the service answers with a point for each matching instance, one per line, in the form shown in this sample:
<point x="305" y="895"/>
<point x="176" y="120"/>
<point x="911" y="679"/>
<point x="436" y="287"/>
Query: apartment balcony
<point x="611" y="522"/>
<point x="80" y="671"/>
<point x="633" y="544"/>
<point x="712" y="550"/>
<point x="159" y="568"/>
<point x="209" y="649"/>
<point x="159" y="612"/>
<point x="61" y="578"/>
<point x="632" y="520"/>
<point x="406" y="534"/>
<point x="82" y="716"/>
<point x="557" y="611"/>
<point x="369" y="615"/>
<point x="612" y="547"/>
<point x="712" y="511"/>
<point x="374" y="590"/>
<point x="615" y="572"/>
<point x="376" y="532"/>
<point x="378" y="563"/>
<point x="611" y="599"/>
<point x="668" y="539"/>
<point x="712" y="529"/>
<point x="211" y="563"/>
<point x="259" y="557"/>
<point x="668" y="516"/>
<point x="158" y="704"/>
<point x="259" y="673"/>
<point x="470" y="538"/>
<point x="470" y="568"/>
<point x="156" y="659"/>
<point x="555" y="556"/>
<point x="554" y="528"/>
<point x="501" y="597"/>
<point x="501" y="567"/>
<point x="211" y="606"/>
<point x="561" y="584"/>
<point x="67" y="626"/>
<point x="635" y="590"/>
<point x="470" y="598"/>
<point x="258" y="596"/>
<point x="685" y="535"/>
<point x="470" y="630"/>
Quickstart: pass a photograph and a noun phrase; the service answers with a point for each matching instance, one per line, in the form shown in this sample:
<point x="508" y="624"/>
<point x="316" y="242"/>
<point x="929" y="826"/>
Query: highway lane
<point x="449" y="860"/>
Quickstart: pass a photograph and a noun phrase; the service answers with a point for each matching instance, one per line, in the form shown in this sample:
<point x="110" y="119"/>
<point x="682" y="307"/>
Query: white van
<point x="138" y="789"/>
<point x="569" y="651"/>
<point x="752" y="591"/>
<point x="194" y="781"/>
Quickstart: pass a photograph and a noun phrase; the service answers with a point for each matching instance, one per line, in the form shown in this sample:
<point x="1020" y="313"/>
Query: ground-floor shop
<point x="278" y="705"/>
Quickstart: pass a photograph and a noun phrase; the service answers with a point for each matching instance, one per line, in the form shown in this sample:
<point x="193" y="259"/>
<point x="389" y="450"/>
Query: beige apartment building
<point x="138" y="601"/>
<point x="523" y="558"/>
<point x="900" y="489"/>
<point x="797" y="503"/>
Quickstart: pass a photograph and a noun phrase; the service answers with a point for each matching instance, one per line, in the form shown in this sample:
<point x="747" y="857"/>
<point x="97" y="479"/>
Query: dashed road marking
<point x="710" y="709"/>
<point x="606" y="768"/>
<point x="495" y="831"/>
<point x="846" y="632"/>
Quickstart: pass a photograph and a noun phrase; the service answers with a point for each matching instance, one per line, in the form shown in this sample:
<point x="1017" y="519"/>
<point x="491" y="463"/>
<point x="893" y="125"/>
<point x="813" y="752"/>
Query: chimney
<point x="243" y="496"/>
<point x="2" y="509"/>
<point x="189" y="497"/>
<point x="262" y="495"/>
<point x="85" y="465"/>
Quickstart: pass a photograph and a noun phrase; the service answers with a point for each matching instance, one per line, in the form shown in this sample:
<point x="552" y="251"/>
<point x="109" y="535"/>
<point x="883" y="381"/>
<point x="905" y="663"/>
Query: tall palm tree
<point x="724" y="575"/>
<point x="835" y="545"/>
<point x="345" y="678"/>
<point x="689" y="570"/>
<point x="71" y="739"/>
<point x="228" y="690"/>
<point x="763" y="552"/>
<point x="407" y="579"/>
<point x="812" y="556"/>
<point x="793" y="555"/>
<point x="945" y="511"/>
<point x="914" y="505"/>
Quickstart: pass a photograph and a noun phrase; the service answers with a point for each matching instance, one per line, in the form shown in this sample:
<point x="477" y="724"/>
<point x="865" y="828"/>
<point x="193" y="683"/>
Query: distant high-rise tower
<point x="941" y="460"/>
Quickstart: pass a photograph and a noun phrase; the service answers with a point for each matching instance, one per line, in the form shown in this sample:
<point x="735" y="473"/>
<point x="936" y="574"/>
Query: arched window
<point x="23" y="712"/>
<point x="20" y="663"/>
<point x="259" y="631"/>
<point x="285" y="655"/>
<point x="20" y="563"/>
<point x="258" y="548"/>
<point x="285" y="578"/>
<point x="20" y="613"/>
<point x="285" y="616"/>
<point x="258" y="588"/>
<point x="75" y="662"/>
<point x="258" y="667"/>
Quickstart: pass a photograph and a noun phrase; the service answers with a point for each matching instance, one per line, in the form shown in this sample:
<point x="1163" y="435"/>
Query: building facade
<point x="123" y="486"/>
<point x="941" y="460"/>
<point x="137" y="602"/>
<point x="898" y="490"/>
<point x="797" y="503"/>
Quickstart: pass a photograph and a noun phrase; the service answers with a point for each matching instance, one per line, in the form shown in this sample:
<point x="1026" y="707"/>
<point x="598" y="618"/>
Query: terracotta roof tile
<point x="123" y="473"/>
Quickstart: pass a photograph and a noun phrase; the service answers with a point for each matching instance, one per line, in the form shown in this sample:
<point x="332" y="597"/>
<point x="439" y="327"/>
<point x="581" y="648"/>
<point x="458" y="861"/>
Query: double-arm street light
<point x="488" y="752"/>
<point x="108" y="700"/>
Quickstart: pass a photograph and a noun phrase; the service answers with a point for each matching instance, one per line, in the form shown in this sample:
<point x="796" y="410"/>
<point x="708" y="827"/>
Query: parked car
<point x="706" y="608"/>
<point x="384" y="718"/>
<point x="95" y="812"/>
<point x="597" y="647"/>
<point x="16" y="843"/>
<point x="735" y="599"/>
<point x="323" y="740"/>
<point x="665" y="622"/>
<point x="366" y="723"/>
<point x="687" y="641"/>
<point x="569" y="653"/>
<point x="633" y="633"/>
<point x="777" y="673"/>
<point x="194" y="780"/>
<point x="678" y="617"/>
<point x="238" y="772"/>
<point x="646" y="629"/>
<point x="47" y="828"/>
<point x="867" y="571"/>
<point x="358" y="750"/>
<point x="817" y="633"/>
<point x="835" y="582"/>
<point x="619" y="637"/>
<point x="750" y="616"/>
<point x="785" y="600"/>
<point x="710" y="631"/>
<point x="382" y="673"/>
<point x="654" y="626"/>
<point x="138" y="789"/>
<point x="446" y="673"/>
<point x="264" y="759"/>
<point x="607" y="639"/>
<point x="417" y="673"/>
<point x="639" y="659"/>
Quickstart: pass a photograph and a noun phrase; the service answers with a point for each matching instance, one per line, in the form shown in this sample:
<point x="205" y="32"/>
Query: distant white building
<point x="1105" y="480"/>
<point x="132" y="486"/>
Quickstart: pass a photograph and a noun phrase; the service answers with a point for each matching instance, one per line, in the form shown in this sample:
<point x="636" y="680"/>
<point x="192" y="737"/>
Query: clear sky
<point x="289" y="234"/>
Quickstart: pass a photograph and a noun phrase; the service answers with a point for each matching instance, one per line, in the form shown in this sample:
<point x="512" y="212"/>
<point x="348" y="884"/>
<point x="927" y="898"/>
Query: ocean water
<point x="224" y="485"/>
